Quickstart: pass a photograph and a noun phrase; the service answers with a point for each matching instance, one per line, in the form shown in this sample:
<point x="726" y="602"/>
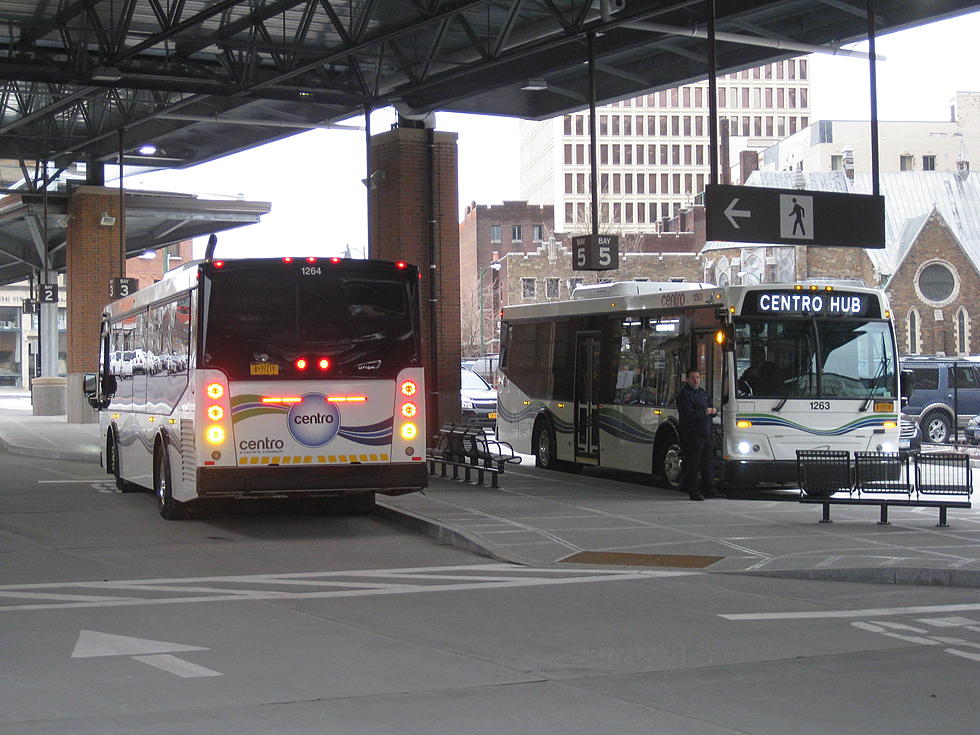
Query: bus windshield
<point x="363" y="324"/>
<point x="814" y="358"/>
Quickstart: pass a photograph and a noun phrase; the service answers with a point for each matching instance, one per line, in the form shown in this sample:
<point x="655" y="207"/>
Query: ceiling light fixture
<point x="535" y="85"/>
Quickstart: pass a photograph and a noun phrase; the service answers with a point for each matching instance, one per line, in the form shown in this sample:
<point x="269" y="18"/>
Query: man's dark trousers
<point x="696" y="457"/>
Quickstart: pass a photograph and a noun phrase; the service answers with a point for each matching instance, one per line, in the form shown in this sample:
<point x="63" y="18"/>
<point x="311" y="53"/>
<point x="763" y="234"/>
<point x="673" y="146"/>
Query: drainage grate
<point x="619" y="558"/>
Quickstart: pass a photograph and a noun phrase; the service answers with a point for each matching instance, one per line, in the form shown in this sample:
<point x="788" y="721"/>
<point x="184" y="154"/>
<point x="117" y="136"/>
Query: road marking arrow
<point x="92" y="644"/>
<point x="732" y="213"/>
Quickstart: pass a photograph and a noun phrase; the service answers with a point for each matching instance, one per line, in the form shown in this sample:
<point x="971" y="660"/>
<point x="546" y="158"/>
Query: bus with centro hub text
<point x="265" y="378"/>
<point x="593" y="381"/>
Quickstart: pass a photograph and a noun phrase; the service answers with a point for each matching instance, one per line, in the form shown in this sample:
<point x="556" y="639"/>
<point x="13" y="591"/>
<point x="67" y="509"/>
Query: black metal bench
<point x="456" y="448"/>
<point x="941" y="480"/>
<point x="494" y="453"/>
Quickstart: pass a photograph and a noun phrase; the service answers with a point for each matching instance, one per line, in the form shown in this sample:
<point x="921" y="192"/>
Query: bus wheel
<point x="544" y="446"/>
<point x="670" y="470"/>
<point x="170" y="509"/>
<point x="112" y="466"/>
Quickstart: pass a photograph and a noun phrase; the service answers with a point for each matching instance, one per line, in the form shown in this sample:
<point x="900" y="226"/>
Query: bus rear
<point x="310" y="379"/>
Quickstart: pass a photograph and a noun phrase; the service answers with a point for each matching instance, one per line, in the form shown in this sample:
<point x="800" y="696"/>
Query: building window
<point x="906" y="162"/>
<point x="928" y="163"/>
<point x="528" y="288"/>
<point x="568" y="212"/>
<point x="579" y="124"/>
<point x="568" y="153"/>
<point x="913" y="331"/>
<point x="494" y="233"/>
<point x="936" y="282"/>
<point x="568" y="184"/>
<point x="962" y="331"/>
<point x="551" y="289"/>
<point x="537" y="232"/>
<point x="568" y="124"/>
<point x="516" y="233"/>
<point x="836" y="162"/>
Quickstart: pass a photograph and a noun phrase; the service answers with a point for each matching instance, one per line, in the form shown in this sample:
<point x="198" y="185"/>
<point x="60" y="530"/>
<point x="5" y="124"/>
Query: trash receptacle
<point x="48" y="396"/>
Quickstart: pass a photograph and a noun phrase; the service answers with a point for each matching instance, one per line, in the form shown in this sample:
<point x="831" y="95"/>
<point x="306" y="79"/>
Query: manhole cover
<point x="624" y="559"/>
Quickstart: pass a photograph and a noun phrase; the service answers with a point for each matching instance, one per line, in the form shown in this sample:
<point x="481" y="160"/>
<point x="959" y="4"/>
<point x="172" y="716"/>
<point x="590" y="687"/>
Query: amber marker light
<point x="720" y="337"/>
<point x="215" y="435"/>
<point x="743" y="424"/>
<point x="409" y="431"/>
<point x="215" y="390"/>
<point x="890" y="424"/>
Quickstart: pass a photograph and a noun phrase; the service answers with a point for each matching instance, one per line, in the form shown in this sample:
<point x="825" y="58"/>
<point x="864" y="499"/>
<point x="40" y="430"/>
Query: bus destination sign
<point x="805" y="303"/>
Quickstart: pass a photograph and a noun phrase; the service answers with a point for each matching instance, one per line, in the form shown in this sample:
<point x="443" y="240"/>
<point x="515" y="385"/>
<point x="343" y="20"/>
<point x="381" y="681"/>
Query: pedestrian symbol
<point x="796" y="216"/>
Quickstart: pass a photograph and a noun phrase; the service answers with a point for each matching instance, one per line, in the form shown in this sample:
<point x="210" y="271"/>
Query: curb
<point x="919" y="576"/>
<point x="446" y="534"/>
<point x="37" y="452"/>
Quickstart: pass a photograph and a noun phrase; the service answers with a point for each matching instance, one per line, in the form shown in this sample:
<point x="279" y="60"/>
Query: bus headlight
<point x="743" y="448"/>
<point x="887" y="447"/>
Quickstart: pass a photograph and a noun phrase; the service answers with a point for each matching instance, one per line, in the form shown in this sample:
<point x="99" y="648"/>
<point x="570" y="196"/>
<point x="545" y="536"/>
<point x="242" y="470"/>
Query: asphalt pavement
<point x="616" y="520"/>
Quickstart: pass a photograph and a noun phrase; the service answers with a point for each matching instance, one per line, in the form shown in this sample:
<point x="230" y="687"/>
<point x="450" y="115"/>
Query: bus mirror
<point x="90" y="385"/>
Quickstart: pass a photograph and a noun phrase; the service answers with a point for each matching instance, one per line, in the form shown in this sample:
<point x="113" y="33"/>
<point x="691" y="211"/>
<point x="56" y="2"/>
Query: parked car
<point x="972" y="431"/>
<point x="910" y="436"/>
<point x="478" y="400"/>
<point x="939" y="383"/>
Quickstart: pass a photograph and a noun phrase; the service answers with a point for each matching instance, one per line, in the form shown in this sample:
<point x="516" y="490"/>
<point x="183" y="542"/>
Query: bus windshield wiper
<point x="877" y="377"/>
<point x="778" y="406"/>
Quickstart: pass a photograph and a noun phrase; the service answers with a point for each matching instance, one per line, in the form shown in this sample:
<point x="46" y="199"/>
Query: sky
<point x="319" y="205"/>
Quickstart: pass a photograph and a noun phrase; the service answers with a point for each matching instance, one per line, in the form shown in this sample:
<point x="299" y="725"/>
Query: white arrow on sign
<point x="732" y="213"/>
<point x="92" y="644"/>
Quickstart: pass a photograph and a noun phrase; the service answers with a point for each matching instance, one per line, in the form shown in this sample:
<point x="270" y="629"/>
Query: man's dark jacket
<point x="694" y="422"/>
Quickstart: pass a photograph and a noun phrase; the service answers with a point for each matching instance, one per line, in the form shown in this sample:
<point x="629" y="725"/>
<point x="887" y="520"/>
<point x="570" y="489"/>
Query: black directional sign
<point x="595" y="252"/>
<point x="794" y="217"/>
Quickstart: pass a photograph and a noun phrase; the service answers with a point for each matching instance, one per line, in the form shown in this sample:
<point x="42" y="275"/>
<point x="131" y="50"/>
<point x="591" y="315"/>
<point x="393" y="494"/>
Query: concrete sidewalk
<point x="538" y="517"/>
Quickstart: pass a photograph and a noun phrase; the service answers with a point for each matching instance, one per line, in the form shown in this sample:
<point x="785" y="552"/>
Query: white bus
<point x="265" y="378"/>
<point x="593" y="381"/>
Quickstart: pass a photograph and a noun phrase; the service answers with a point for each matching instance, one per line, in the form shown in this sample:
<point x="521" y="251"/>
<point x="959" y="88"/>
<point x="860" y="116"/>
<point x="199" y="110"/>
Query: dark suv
<point x="938" y="385"/>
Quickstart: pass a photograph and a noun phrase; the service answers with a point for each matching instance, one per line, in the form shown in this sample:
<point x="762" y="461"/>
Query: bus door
<point x="708" y="361"/>
<point x="587" y="397"/>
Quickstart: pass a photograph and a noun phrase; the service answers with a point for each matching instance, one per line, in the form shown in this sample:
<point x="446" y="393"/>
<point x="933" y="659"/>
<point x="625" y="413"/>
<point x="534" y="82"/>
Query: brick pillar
<point x="92" y="258"/>
<point x="400" y="230"/>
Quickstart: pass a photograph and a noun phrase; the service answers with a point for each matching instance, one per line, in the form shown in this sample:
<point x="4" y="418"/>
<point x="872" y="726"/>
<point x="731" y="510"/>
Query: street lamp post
<point x="494" y="266"/>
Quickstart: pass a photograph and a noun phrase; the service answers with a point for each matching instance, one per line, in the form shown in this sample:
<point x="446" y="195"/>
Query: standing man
<point x="694" y="412"/>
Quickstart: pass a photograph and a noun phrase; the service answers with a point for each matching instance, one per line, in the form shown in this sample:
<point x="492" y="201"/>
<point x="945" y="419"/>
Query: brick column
<point x="400" y="230"/>
<point x="92" y="258"/>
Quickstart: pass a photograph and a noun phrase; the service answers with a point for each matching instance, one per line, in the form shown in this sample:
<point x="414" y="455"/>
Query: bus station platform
<point x="538" y="517"/>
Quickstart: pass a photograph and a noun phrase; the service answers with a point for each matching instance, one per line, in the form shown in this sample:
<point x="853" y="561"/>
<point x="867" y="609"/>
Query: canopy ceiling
<point x="204" y="78"/>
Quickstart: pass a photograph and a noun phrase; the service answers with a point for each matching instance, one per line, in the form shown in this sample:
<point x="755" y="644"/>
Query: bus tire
<point x="112" y="466"/>
<point x="667" y="465"/>
<point x="543" y="444"/>
<point x="170" y="509"/>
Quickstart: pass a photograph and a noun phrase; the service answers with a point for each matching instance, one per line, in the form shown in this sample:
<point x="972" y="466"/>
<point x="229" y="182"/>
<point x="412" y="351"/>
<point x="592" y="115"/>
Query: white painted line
<point x="866" y="613"/>
<point x="177" y="666"/>
<point x="99" y="480"/>
<point x="453" y="582"/>
<point x="950" y="622"/>
<point x="964" y="654"/>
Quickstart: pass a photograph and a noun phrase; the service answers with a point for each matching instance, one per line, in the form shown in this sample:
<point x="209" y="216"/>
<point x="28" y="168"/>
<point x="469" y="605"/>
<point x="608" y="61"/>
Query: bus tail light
<point x="409" y="388"/>
<point x="215" y="414"/>
<point x="301" y="363"/>
<point x="323" y="363"/>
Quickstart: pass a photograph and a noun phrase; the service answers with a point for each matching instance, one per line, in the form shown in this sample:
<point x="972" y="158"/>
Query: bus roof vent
<point x="634" y="288"/>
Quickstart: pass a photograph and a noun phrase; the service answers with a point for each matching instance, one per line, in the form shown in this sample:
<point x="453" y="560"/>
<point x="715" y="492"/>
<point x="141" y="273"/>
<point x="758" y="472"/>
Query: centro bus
<point x="265" y="378"/>
<point x="593" y="381"/>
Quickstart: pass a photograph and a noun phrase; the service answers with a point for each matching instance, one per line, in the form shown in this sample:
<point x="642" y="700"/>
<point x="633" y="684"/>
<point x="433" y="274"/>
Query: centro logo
<point x="313" y="422"/>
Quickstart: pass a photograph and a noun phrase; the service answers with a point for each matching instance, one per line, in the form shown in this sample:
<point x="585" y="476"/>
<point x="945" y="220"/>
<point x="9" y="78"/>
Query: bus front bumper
<point x="747" y="473"/>
<point x="388" y="479"/>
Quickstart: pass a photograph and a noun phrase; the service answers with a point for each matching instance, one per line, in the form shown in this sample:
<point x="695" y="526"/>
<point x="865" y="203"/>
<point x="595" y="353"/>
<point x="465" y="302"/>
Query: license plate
<point x="492" y="415"/>
<point x="264" y="368"/>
